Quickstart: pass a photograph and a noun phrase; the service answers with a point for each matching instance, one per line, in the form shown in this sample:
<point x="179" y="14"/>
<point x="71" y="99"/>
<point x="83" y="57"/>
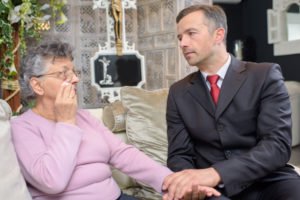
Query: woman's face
<point x="59" y="71"/>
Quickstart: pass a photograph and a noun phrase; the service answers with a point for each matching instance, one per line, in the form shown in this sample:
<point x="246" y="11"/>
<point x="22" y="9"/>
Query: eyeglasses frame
<point x="74" y="72"/>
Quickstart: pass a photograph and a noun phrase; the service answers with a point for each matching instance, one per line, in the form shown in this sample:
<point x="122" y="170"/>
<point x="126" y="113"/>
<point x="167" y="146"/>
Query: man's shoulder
<point x="260" y="66"/>
<point x="186" y="81"/>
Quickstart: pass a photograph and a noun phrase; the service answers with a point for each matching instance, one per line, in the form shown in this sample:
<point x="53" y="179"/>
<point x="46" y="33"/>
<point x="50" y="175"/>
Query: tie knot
<point x="213" y="79"/>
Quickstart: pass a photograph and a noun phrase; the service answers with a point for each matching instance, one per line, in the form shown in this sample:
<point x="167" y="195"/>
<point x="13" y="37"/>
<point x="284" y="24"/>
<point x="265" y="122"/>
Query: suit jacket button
<point x="244" y="187"/>
<point x="220" y="127"/>
<point x="227" y="154"/>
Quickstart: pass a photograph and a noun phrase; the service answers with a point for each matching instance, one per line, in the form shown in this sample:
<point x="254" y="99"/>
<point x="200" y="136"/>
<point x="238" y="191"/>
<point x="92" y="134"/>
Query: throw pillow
<point x="12" y="184"/>
<point x="146" y="120"/>
<point x="114" y="116"/>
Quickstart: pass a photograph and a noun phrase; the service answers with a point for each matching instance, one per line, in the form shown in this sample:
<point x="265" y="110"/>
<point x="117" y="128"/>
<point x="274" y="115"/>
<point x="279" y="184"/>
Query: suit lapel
<point x="199" y="91"/>
<point x="233" y="80"/>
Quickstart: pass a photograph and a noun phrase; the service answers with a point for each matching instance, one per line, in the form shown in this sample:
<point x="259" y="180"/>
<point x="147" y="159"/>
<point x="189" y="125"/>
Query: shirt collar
<point x="222" y="71"/>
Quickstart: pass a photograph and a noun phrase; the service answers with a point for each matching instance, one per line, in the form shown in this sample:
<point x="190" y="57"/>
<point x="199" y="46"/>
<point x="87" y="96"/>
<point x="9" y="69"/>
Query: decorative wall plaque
<point x="110" y="72"/>
<point x="111" y="68"/>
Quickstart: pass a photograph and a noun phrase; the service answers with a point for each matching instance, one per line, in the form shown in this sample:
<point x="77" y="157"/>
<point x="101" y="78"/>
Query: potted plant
<point x="20" y="20"/>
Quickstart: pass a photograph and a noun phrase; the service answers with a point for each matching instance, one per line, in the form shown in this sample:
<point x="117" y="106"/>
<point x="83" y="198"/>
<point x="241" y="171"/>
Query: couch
<point x="138" y="119"/>
<point x="293" y="88"/>
<point x="145" y="128"/>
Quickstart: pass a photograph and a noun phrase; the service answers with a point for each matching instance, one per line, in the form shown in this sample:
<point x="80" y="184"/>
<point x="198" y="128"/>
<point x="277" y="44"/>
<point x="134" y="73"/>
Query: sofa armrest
<point x="12" y="183"/>
<point x="293" y="88"/>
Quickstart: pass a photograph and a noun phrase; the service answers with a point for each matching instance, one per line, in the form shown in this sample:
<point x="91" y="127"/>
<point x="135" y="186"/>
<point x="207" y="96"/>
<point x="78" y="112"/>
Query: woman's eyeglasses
<point x="65" y="75"/>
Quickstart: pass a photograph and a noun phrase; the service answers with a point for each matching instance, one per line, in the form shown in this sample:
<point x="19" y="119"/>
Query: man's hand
<point x="195" y="193"/>
<point x="66" y="103"/>
<point x="188" y="182"/>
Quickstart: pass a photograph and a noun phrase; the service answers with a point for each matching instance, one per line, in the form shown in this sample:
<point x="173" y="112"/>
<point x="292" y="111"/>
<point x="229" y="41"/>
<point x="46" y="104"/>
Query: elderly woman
<point x="63" y="151"/>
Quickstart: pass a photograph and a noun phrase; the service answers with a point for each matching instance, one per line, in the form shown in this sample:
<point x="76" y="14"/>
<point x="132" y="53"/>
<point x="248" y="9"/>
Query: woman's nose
<point x="75" y="79"/>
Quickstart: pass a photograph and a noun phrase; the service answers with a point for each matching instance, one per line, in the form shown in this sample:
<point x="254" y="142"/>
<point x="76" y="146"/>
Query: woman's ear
<point x="35" y="84"/>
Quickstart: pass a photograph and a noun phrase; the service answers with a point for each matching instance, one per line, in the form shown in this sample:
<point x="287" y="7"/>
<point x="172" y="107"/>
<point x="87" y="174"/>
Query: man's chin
<point x="191" y="63"/>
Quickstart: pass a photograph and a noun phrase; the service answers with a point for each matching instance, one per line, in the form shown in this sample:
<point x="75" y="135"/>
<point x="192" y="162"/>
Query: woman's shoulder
<point x="27" y="121"/>
<point x="27" y="116"/>
<point x="84" y="115"/>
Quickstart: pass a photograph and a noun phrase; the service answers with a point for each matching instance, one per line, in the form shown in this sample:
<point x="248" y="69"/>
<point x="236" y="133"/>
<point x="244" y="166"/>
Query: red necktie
<point x="214" y="89"/>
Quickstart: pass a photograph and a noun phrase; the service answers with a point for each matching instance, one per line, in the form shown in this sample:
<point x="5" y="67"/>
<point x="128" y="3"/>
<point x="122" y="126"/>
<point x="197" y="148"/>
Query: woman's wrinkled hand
<point x="196" y="192"/>
<point x="66" y="103"/>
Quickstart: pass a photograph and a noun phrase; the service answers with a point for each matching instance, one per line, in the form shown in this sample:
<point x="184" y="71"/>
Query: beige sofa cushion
<point x="146" y="127"/>
<point x="96" y="112"/>
<point x="12" y="184"/>
<point x="114" y="117"/>
<point x="146" y="120"/>
<point x="293" y="88"/>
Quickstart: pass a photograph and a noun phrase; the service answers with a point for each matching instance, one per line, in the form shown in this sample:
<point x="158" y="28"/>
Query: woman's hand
<point x="66" y="103"/>
<point x="196" y="192"/>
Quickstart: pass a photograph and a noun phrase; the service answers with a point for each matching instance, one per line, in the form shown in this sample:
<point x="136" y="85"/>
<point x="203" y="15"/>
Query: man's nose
<point x="183" y="42"/>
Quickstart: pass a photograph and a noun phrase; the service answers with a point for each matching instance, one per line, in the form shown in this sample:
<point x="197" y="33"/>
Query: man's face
<point x="195" y="40"/>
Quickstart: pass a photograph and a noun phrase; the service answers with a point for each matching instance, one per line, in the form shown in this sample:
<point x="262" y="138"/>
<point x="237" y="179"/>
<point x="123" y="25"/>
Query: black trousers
<point x="278" y="190"/>
<point x="126" y="197"/>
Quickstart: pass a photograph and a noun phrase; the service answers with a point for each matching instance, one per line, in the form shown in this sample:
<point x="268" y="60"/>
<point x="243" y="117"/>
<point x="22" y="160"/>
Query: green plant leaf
<point x="23" y="17"/>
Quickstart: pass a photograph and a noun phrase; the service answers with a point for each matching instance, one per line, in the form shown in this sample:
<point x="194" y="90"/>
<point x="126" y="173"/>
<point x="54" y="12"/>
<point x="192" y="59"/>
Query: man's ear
<point x="35" y="84"/>
<point x="219" y="35"/>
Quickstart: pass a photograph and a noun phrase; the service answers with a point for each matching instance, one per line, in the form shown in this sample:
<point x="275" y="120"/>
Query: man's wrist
<point x="216" y="177"/>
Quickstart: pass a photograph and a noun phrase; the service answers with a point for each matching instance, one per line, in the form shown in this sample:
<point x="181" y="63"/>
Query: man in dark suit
<point x="232" y="133"/>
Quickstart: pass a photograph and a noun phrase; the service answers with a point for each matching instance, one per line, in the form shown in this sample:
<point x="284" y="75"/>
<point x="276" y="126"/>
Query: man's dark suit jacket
<point x="246" y="137"/>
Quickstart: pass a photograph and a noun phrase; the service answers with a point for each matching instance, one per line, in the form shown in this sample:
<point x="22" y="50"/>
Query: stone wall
<point x="151" y="27"/>
<point x="157" y="40"/>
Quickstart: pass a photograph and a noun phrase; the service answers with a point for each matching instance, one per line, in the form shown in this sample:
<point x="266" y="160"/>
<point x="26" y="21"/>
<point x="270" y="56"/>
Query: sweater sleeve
<point x="133" y="162"/>
<point x="47" y="160"/>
